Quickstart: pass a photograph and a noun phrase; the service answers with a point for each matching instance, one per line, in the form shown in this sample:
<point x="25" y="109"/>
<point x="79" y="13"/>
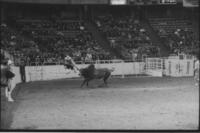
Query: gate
<point x="35" y="73"/>
<point x="179" y="68"/>
<point x="154" y="67"/>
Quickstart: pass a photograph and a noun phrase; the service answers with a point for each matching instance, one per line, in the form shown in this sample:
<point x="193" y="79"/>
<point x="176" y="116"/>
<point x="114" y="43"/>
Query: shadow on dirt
<point x="7" y="108"/>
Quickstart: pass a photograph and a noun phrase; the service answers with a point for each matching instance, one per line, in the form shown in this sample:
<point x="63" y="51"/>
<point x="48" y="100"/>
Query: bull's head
<point x="84" y="72"/>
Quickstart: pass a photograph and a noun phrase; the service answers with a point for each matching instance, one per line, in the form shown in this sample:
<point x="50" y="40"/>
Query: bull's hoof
<point x="91" y="87"/>
<point x="102" y="85"/>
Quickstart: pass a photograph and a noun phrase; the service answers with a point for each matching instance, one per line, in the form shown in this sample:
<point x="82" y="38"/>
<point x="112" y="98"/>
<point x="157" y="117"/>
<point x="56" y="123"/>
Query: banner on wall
<point x="190" y="3"/>
<point x="118" y="2"/>
<point x="89" y="1"/>
<point x="60" y="1"/>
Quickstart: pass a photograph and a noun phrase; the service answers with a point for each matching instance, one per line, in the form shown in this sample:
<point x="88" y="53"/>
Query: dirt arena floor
<point x="129" y="103"/>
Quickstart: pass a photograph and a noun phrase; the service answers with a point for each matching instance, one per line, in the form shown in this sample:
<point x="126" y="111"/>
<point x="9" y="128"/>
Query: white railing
<point x="49" y="72"/>
<point x="152" y="66"/>
<point x="82" y="62"/>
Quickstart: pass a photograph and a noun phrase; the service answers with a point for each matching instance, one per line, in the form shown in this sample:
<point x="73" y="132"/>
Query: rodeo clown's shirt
<point x="69" y="60"/>
<point x="4" y="80"/>
<point x="6" y="75"/>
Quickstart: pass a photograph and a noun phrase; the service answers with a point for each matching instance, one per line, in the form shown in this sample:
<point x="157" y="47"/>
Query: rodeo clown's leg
<point x="10" y="89"/>
<point x="75" y="68"/>
<point x="6" y="91"/>
<point x="66" y="67"/>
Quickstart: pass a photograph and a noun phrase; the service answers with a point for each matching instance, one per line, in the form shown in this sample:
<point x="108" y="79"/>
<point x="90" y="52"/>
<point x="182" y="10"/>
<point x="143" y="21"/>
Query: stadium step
<point x="156" y="40"/>
<point x="101" y="39"/>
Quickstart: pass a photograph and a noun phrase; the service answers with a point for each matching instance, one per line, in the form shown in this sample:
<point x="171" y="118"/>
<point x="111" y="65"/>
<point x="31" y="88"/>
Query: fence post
<point x="122" y="69"/>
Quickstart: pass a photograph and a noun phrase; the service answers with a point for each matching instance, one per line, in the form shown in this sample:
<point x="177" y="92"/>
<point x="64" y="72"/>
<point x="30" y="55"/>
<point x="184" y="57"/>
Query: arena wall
<point x="36" y="73"/>
<point x="59" y="1"/>
<point x="179" y="68"/>
<point x="172" y="67"/>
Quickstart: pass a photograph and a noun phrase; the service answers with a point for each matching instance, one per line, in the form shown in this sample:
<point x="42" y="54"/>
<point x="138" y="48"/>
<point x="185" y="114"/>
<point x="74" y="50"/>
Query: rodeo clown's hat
<point x="67" y="57"/>
<point x="10" y="62"/>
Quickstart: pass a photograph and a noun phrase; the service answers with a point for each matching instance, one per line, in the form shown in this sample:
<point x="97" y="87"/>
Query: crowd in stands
<point x="2" y="58"/>
<point x="15" y="44"/>
<point x="182" y="41"/>
<point x="44" y="41"/>
<point x="41" y="41"/>
<point x="177" y="34"/>
<point x="126" y="33"/>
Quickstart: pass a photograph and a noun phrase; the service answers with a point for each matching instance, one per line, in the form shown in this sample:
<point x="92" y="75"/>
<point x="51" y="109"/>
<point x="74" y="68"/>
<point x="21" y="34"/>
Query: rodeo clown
<point x="6" y="79"/>
<point x="10" y="75"/>
<point x="70" y="64"/>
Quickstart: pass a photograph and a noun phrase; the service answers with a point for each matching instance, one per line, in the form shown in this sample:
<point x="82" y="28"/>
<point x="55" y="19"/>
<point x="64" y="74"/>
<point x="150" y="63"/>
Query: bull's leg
<point x="84" y="81"/>
<point x="107" y="75"/>
<point x="105" y="82"/>
<point x="88" y="83"/>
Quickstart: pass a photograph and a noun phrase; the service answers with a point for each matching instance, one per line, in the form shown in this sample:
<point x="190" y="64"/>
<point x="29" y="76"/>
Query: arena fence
<point x="154" y="66"/>
<point x="178" y="68"/>
<point x="150" y="67"/>
<point x="49" y="72"/>
<point x="79" y="62"/>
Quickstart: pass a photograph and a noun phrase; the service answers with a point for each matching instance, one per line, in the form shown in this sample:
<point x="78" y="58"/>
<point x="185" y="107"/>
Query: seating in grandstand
<point x="127" y="34"/>
<point x="177" y="33"/>
<point x="56" y="39"/>
<point x="46" y="39"/>
<point x="166" y="26"/>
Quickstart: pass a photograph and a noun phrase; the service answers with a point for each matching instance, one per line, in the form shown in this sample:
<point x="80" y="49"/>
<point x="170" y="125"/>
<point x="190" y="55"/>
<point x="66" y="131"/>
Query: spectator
<point x="22" y="71"/>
